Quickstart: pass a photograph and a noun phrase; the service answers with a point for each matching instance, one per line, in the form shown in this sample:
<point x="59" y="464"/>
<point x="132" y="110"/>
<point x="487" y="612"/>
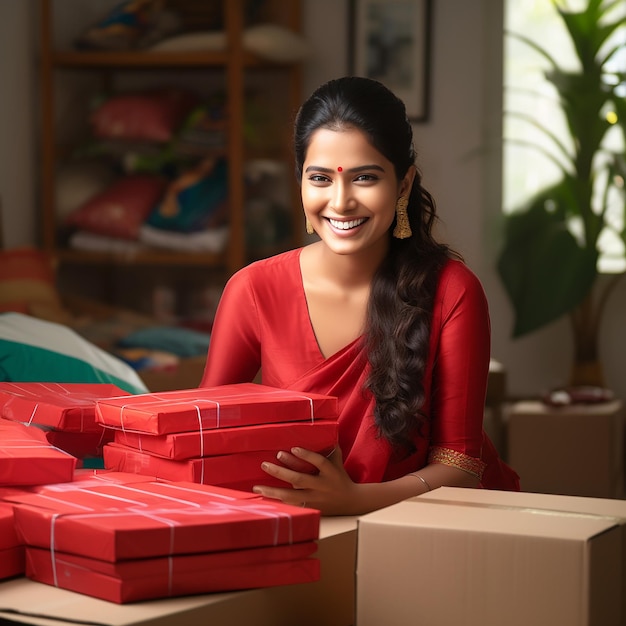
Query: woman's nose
<point x="341" y="198"/>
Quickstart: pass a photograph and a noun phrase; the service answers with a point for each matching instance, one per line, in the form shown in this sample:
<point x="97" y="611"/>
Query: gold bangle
<point x="428" y="487"/>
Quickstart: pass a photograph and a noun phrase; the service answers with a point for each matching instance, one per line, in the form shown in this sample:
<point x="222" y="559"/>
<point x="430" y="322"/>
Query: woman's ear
<point x="407" y="182"/>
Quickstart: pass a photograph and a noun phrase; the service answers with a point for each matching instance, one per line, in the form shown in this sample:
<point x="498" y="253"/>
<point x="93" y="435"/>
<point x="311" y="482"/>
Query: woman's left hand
<point x="330" y="489"/>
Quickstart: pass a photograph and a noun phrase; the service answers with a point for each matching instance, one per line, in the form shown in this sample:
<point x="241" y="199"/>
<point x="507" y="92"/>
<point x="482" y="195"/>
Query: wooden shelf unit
<point x="234" y="63"/>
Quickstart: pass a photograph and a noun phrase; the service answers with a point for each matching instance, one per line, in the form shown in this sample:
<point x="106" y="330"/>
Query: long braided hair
<point x="403" y="289"/>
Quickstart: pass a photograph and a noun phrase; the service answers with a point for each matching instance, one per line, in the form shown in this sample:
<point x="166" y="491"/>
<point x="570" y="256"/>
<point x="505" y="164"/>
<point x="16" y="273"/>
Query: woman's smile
<point x="346" y="225"/>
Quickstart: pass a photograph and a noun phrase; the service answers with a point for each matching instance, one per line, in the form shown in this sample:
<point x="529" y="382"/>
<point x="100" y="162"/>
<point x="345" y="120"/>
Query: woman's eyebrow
<point x="353" y="170"/>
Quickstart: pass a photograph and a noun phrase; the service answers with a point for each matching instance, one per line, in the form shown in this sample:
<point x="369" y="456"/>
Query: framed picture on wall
<point x="390" y="42"/>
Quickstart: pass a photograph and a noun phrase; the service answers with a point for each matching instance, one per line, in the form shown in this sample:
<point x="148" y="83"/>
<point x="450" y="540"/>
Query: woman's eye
<point x="365" y="177"/>
<point x="318" y="178"/>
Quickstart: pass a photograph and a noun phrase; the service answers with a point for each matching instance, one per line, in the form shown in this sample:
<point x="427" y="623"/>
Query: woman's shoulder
<point x="456" y="278"/>
<point x="270" y="270"/>
<point x="455" y="269"/>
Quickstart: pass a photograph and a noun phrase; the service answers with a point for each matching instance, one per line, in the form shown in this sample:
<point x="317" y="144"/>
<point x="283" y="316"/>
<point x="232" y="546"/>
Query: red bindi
<point x="340" y="169"/>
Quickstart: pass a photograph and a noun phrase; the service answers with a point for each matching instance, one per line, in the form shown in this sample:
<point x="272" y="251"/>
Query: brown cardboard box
<point x="449" y="562"/>
<point x="328" y="602"/>
<point x="575" y="450"/>
<point x="544" y="502"/>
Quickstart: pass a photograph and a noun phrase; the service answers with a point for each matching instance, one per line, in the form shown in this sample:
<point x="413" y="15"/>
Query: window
<point x="526" y="170"/>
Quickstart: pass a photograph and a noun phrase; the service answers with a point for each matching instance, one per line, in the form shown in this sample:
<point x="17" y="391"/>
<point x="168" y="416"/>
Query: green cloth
<point x="33" y="350"/>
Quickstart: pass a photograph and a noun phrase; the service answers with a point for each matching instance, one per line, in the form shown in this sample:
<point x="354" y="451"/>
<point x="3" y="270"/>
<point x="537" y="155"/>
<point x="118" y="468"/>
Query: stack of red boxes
<point x="26" y="459"/>
<point x="129" y="536"/>
<point x="217" y="436"/>
<point x="125" y="537"/>
<point x="65" y="412"/>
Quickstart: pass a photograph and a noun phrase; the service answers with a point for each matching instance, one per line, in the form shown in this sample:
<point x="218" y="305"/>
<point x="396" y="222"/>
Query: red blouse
<point x="263" y="322"/>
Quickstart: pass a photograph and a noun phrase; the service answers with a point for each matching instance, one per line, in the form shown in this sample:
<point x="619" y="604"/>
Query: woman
<point x="376" y="313"/>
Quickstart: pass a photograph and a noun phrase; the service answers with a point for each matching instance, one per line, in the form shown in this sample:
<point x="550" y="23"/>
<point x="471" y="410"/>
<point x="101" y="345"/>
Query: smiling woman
<point x="376" y="312"/>
<point x="351" y="207"/>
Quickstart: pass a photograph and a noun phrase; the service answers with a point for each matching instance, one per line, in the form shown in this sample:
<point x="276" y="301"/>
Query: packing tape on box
<point x="525" y="509"/>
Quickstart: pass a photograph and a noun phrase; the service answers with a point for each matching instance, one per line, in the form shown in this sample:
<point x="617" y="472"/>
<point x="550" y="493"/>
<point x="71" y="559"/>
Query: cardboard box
<point x="320" y="436"/>
<point x="216" y="407"/>
<point x="575" y="450"/>
<point x="68" y="406"/>
<point x="112" y="522"/>
<point x="241" y="470"/>
<point x="542" y="502"/>
<point x="26" y="457"/>
<point x="328" y="601"/>
<point x="142" y="579"/>
<point x="449" y="562"/>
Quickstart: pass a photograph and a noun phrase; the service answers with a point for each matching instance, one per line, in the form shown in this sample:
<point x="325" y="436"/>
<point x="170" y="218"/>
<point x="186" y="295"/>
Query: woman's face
<point x="349" y="190"/>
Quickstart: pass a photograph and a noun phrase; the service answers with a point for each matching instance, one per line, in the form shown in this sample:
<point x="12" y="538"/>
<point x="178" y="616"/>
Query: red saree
<point x="263" y="322"/>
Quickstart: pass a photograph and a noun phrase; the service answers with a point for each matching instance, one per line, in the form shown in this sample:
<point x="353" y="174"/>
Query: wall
<point x="458" y="151"/>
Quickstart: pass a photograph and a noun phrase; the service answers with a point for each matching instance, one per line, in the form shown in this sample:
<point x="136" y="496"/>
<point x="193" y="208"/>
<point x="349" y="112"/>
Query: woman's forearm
<point x="369" y="497"/>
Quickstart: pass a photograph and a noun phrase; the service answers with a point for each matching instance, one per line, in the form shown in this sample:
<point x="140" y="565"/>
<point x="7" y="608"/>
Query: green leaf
<point x="548" y="133"/>
<point x="590" y="29"/>
<point x="544" y="270"/>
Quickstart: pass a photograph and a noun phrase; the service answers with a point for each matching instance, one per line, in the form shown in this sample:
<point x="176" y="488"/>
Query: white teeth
<point x="346" y="225"/>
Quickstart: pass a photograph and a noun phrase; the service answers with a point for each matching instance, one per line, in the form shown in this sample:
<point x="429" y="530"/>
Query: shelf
<point x="69" y="76"/>
<point x="139" y="59"/>
<point x="143" y="257"/>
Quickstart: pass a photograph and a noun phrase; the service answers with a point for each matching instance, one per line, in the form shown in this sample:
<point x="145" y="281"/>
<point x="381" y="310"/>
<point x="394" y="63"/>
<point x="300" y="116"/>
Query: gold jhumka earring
<point x="309" y="227"/>
<point x="403" y="227"/>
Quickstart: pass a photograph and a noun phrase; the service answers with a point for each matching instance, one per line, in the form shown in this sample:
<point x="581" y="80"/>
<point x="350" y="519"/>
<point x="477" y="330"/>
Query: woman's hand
<point x="329" y="489"/>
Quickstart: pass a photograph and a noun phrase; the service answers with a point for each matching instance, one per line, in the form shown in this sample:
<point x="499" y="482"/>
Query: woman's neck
<point x="346" y="271"/>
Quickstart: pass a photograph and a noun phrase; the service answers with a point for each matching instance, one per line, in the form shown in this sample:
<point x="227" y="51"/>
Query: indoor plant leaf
<point x="544" y="269"/>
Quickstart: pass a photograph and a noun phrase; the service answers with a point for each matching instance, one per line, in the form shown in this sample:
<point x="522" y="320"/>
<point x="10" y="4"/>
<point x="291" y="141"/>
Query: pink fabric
<point x="263" y="322"/>
<point x="121" y="209"/>
<point x="148" y="116"/>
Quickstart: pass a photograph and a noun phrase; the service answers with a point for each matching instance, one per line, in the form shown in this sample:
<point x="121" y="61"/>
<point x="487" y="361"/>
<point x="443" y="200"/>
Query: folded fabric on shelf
<point x="211" y="240"/>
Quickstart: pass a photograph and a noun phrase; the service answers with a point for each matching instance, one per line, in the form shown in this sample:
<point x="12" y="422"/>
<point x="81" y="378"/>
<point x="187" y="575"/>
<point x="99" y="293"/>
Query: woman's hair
<point x="403" y="289"/>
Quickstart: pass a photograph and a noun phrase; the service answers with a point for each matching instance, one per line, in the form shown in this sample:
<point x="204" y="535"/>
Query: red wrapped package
<point x="317" y="436"/>
<point x="26" y="457"/>
<point x="112" y="522"/>
<point x="216" y="407"/>
<point x="8" y="536"/>
<point x="241" y="470"/>
<point x="142" y="579"/>
<point x="11" y="548"/>
<point x="66" y="406"/>
<point x="97" y="477"/>
<point x="12" y="562"/>
<point x="80" y="445"/>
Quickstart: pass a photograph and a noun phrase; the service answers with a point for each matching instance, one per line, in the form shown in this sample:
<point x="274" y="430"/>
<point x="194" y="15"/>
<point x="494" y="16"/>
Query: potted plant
<point x="549" y="260"/>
